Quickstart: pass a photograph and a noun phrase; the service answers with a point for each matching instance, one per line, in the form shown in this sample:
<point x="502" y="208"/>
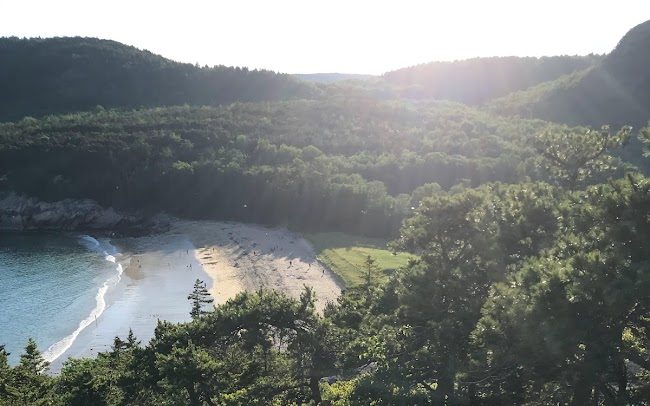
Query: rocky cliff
<point x="22" y="213"/>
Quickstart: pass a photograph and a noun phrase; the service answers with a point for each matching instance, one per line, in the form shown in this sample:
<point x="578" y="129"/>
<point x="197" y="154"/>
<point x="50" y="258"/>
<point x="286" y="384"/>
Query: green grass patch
<point x="345" y="254"/>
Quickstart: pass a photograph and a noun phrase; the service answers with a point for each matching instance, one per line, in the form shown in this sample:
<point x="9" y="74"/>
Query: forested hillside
<point x="615" y="91"/>
<point x="352" y="164"/>
<point x="475" y="81"/>
<point x="54" y="75"/>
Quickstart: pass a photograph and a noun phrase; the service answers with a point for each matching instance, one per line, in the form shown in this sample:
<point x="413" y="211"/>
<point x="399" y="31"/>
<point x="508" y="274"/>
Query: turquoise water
<point x="49" y="284"/>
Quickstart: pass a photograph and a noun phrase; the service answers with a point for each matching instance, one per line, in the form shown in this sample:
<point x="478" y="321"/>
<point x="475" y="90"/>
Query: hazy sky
<point x="352" y="36"/>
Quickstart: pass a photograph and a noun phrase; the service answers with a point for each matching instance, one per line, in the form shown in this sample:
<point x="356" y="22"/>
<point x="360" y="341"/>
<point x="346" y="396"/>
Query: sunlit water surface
<point x="51" y="287"/>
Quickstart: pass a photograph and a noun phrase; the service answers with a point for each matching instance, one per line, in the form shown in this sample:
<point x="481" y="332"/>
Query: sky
<point x="353" y="36"/>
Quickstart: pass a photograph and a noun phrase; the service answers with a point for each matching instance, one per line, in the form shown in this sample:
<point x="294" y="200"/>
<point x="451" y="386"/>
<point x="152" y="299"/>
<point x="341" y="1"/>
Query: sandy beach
<point x="160" y="270"/>
<point x="241" y="257"/>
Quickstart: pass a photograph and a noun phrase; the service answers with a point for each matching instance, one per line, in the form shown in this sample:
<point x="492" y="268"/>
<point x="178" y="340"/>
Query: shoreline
<point x="108" y="251"/>
<point x="159" y="272"/>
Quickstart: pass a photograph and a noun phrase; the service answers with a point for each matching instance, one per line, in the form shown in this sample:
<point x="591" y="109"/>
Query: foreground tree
<point x="30" y="384"/>
<point x="5" y="372"/>
<point x="465" y="242"/>
<point x="190" y="375"/>
<point x="258" y="348"/>
<point x="572" y="325"/>
<point x="572" y="156"/>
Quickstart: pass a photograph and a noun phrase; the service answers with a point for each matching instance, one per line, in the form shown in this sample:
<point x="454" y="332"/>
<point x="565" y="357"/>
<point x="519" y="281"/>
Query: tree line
<point x="358" y="165"/>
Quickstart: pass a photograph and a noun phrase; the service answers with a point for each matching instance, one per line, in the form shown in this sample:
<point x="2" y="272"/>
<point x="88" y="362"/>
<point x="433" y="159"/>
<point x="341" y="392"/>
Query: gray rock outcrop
<point x="22" y="213"/>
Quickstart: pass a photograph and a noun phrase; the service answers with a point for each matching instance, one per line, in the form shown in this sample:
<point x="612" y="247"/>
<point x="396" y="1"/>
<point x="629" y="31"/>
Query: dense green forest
<point x="529" y="269"/>
<point x="344" y="163"/>
<point x="523" y="294"/>
<point x="55" y="75"/>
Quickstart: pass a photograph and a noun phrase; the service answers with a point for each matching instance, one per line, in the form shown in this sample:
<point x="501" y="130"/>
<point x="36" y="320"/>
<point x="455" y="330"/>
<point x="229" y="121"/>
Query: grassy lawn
<point x="344" y="254"/>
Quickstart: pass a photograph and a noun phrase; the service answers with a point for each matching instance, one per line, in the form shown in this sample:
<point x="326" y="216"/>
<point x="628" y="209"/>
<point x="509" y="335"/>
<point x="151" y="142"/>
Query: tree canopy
<point x="59" y="75"/>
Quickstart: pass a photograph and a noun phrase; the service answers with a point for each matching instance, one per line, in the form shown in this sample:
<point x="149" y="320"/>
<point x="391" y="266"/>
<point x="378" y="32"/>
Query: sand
<point x="160" y="270"/>
<point x="242" y="257"/>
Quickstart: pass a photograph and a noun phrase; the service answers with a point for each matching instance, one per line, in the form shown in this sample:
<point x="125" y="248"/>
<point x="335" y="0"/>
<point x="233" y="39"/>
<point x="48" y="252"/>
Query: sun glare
<point x="336" y="35"/>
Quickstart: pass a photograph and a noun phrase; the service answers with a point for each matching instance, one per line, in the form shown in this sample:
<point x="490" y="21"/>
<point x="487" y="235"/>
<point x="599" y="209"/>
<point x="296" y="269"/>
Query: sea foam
<point x="57" y="349"/>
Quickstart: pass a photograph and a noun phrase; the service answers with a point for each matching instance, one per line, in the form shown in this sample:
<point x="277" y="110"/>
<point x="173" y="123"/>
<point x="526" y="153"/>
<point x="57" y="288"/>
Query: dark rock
<point x="22" y="213"/>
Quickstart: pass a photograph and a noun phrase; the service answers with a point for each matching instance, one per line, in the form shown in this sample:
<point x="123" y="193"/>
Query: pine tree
<point x="572" y="156"/>
<point x="131" y="342"/>
<point x="32" y="361"/>
<point x="32" y="386"/>
<point x="199" y="297"/>
<point x="5" y="370"/>
<point x="370" y="270"/>
<point x="4" y="359"/>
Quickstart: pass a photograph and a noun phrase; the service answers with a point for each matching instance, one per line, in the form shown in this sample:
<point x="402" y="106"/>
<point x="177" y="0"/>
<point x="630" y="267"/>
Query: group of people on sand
<point x="255" y="252"/>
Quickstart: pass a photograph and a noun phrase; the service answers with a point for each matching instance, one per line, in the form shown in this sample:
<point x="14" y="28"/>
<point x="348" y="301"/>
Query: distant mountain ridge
<point x="478" y="80"/>
<point x="53" y="75"/>
<point x="331" y="77"/>
<point x="59" y="75"/>
<point x="615" y="91"/>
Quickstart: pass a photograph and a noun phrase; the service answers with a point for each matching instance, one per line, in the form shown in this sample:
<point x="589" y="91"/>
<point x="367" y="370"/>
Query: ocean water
<point x="52" y="286"/>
